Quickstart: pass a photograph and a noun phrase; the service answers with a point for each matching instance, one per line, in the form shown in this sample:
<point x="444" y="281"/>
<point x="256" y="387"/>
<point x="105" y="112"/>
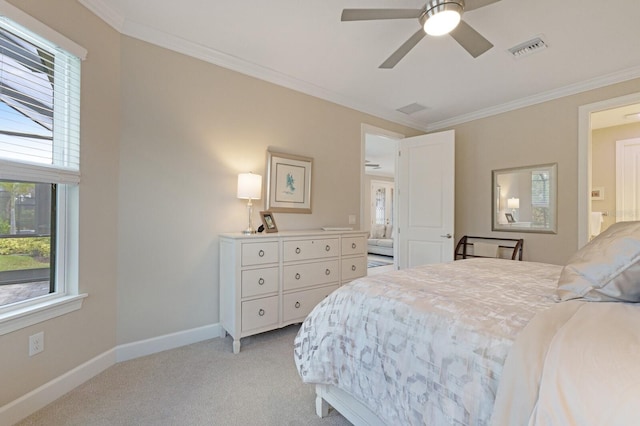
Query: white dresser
<point x="268" y="281"/>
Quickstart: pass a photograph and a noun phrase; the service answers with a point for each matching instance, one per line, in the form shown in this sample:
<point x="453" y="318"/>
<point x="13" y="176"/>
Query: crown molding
<point x="251" y="69"/>
<point x="189" y="48"/>
<point x="105" y="12"/>
<point x="572" y="89"/>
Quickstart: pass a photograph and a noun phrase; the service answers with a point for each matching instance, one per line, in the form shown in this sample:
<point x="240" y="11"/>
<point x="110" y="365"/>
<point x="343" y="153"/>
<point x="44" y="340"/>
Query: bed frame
<point x="350" y="408"/>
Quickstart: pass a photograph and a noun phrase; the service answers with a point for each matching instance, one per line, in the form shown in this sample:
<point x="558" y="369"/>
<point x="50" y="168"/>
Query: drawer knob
<point x="261" y="281"/>
<point x="353" y="267"/>
<point x="327" y="271"/>
<point x="297" y="276"/>
<point x="298" y="250"/>
<point x="353" y="245"/>
<point x="261" y="312"/>
<point x="327" y="247"/>
<point x="261" y="253"/>
<point x="297" y="305"/>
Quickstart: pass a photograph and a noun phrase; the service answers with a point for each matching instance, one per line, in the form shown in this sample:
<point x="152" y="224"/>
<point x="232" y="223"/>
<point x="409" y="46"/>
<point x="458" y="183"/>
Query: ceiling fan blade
<point x="470" y="39"/>
<point x="372" y="14"/>
<point x="403" y="50"/>
<point x="477" y="4"/>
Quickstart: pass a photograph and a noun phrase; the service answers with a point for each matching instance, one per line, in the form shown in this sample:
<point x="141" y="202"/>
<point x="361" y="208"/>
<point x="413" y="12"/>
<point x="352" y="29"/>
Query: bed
<point x="451" y="343"/>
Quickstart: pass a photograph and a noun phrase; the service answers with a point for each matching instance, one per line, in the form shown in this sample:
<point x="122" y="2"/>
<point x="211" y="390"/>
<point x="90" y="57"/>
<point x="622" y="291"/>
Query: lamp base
<point x="249" y="229"/>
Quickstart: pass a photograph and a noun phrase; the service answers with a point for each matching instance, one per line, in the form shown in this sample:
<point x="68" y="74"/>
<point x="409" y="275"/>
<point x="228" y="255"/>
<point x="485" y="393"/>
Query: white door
<point x="425" y="193"/>
<point x="628" y="180"/>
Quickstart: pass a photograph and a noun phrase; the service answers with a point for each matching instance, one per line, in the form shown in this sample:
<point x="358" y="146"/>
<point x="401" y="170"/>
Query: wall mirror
<point x="524" y="199"/>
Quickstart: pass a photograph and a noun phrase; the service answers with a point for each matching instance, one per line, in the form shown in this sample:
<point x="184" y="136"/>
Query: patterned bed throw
<point x="424" y="345"/>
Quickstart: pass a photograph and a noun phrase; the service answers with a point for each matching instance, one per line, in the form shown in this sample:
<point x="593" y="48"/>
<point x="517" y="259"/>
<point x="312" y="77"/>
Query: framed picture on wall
<point x="288" y="183"/>
<point x="597" y="193"/>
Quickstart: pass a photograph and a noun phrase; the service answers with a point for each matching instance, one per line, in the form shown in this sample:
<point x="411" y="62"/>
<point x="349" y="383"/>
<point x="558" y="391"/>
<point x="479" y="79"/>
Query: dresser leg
<point x="236" y="346"/>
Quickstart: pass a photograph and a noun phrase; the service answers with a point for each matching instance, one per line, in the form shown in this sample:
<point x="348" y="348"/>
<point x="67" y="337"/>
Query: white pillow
<point x="607" y="269"/>
<point x="377" y="231"/>
<point x="388" y="231"/>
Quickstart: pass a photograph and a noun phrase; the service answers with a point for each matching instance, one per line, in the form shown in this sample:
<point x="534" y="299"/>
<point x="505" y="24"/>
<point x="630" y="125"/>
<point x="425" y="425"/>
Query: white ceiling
<point x="627" y="114"/>
<point x="304" y="46"/>
<point x="380" y="156"/>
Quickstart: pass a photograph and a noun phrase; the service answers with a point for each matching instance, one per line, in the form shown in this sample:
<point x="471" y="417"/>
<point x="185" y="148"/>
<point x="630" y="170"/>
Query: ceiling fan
<point x="437" y="17"/>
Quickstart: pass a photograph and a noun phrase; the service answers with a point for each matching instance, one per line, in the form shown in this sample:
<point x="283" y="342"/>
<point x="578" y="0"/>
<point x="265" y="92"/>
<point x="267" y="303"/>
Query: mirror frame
<point x="497" y="208"/>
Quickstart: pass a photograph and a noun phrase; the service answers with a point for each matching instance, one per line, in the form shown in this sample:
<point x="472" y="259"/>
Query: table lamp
<point x="249" y="188"/>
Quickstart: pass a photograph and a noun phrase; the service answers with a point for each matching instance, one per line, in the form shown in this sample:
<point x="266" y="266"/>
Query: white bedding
<point x="574" y="364"/>
<point x="424" y="345"/>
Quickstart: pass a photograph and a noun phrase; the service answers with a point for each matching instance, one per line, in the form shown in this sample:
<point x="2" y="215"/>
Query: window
<point x="540" y="196"/>
<point x="39" y="175"/>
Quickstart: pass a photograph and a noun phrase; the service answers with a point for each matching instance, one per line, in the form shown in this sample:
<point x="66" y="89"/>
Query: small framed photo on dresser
<point x="268" y="221"/>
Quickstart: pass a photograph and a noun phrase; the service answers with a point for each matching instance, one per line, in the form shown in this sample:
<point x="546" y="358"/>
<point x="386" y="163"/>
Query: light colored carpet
<point x="199" y="384"/>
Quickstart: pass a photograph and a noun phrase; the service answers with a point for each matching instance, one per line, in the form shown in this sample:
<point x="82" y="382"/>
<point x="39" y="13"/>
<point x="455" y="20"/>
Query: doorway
<point x="595" y="194"/>
<point x="378" y="205"/>
<point x="423" y="202"/>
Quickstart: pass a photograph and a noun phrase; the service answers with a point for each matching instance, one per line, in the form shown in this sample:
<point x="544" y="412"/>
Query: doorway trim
<point x="584" y="157"/>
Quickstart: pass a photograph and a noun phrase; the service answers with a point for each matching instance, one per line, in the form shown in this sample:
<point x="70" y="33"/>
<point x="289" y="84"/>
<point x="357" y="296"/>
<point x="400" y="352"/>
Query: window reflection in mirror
<point x="524" y="199"/>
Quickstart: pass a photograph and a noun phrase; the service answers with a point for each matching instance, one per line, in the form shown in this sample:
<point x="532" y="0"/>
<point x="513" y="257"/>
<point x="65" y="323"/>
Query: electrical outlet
<point x="352" y="219"/>
<point x="36" y="343"/>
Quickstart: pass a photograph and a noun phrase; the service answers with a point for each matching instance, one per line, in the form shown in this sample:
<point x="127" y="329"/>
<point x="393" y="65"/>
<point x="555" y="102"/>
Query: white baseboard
<point x="31" y="402"/>
<point x="168" y="341"/>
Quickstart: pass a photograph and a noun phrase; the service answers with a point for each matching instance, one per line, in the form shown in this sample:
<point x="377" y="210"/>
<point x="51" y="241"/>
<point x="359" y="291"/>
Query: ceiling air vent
<point x="528" y="47"/>
<point x="412" y="108"/>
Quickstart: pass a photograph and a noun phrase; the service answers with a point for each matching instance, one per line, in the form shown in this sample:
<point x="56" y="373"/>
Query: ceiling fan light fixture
<point x="442" y="16"/>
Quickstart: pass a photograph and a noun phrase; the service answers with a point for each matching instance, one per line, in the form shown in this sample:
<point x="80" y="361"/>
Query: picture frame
<point x="268" y="221"/>
<point x="510" y="218"/>
<point x="288" y="183"/>
<point x="597" y="193"/>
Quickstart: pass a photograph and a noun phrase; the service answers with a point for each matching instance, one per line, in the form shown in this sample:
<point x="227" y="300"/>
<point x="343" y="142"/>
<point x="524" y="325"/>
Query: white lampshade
<point x="249" y="186"/>
<point x="442" y="19"/>
<point x="513" y="203"/>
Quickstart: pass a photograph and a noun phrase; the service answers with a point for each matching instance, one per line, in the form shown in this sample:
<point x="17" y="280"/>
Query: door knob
<point x="446" y="236"/>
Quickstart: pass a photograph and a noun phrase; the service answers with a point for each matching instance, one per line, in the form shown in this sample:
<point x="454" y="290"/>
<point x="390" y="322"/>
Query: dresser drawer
<point x="298" y="305"/>
<point x="259" y="281"/>
<point x="259" y="313"/>
<point x="353" y="268"/>
<point x="311" y="249"/>
<point x="259" y="253"/>
<point x="354" y="245"/>
<point x="310" y="274"/>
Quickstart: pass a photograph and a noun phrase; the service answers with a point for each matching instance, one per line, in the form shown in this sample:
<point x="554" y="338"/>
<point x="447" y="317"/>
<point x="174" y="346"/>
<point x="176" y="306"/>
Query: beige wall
<point x="603" y="143"/>
<point x="75" y="338"/>
<point x="543" y="133"/>
<point x="189" y="128"/>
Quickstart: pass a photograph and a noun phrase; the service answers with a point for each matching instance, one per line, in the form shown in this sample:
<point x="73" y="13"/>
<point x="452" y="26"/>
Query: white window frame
<point x="67" y="297"/>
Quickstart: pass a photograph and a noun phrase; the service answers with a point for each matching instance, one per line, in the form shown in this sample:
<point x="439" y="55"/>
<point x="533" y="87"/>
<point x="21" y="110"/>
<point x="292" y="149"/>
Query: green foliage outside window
<point x="39" y="247"/>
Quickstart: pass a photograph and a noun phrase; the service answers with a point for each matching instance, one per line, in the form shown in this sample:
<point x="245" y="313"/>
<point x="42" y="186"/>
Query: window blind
<point x="39" y="108"/>
<point x="540" y="188"/>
